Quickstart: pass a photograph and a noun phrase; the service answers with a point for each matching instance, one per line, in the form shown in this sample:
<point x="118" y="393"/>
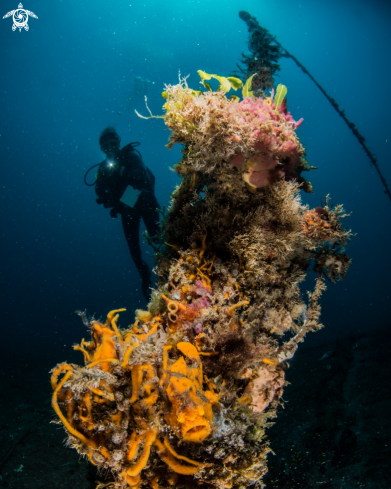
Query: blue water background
<point x="72" y="74"/>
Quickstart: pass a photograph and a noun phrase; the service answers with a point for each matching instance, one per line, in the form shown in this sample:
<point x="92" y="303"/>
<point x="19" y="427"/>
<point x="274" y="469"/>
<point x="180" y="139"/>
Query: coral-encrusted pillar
<point x="183" y="396"/>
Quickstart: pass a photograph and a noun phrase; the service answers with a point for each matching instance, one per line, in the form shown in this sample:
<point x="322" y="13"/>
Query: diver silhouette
<point x="127" y="186"/>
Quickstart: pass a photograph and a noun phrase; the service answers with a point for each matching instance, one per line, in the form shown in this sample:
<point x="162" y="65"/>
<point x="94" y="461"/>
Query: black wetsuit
<point x="111" y="185"/>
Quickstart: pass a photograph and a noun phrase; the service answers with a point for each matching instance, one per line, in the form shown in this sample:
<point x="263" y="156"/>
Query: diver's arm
<point x="137" y="174"/>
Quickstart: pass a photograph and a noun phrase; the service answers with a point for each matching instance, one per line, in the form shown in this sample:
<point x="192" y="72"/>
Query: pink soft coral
<point x="265" y="387"/>
<point x="277" y="151"/>
<point x="261" y="170"/>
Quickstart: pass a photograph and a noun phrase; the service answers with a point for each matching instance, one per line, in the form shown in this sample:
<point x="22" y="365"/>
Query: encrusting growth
<point x="182" y="397"/>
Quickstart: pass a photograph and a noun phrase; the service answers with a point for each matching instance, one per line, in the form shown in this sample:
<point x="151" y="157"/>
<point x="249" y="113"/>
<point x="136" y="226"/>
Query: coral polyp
<point x="182" y="397"/>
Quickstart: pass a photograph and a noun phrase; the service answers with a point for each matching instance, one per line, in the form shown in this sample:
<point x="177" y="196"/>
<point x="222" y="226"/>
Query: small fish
<point x="328" y="354"/>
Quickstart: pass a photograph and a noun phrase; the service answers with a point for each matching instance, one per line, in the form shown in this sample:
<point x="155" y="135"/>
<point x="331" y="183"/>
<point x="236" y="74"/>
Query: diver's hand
<point x="105" y="202"/>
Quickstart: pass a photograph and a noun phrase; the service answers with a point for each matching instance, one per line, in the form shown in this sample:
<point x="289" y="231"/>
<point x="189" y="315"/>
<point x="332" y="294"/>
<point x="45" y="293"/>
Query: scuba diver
<point x="126" y="186"/>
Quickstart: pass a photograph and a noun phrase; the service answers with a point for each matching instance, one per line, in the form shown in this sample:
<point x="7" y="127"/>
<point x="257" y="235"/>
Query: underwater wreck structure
<point x="183" y="397"/>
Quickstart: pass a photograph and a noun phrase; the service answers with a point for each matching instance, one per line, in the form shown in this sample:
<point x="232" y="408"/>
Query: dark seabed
<point x="86" y="65"/>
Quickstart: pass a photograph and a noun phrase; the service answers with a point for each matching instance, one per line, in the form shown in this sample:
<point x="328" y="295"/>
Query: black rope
<point x="341" y="112"/>
<point x="262" y="41"/>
